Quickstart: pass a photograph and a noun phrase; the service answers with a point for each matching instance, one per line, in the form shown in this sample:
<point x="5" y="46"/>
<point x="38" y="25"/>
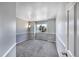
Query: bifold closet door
<point x="73" y="27"/>
<point x="71" y="30"/>
<point x="77" y="40"/>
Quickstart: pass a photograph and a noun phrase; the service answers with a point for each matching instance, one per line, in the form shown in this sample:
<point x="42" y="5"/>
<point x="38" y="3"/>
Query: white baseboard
<point x="20" y="42"/>
<point x="9" y="50"/>
<point x="69" y="53"/>
<point x="62" y="43"/>
<point x="21" y="33"/>
<point x="60" y="40"/>
<point x="44" y="33"/>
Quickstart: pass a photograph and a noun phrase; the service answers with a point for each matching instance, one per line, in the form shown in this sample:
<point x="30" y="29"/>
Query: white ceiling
<point x="35" y="11"/>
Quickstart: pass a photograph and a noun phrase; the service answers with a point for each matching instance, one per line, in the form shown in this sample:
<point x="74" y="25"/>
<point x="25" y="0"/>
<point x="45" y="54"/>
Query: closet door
<point x="77" y="40"/>
<point x="71" y="30"/>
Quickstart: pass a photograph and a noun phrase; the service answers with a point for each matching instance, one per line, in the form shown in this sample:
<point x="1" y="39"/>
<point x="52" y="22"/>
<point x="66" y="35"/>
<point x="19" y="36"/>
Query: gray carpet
<point x="36" y="48"/>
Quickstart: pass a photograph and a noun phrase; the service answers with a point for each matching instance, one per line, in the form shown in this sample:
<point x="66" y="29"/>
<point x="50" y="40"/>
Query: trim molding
<point x="20" y="42"/>
<point x="60" y="40"/>
<point x="33" y="32"/>
<point x="21" y="33"/>
<point x="9" y="50"/>
<point x="67" y="51"/>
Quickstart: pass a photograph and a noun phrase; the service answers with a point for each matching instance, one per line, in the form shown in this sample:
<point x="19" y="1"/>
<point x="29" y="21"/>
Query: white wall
<point x="21" y="26"/>
<point x="7" y="26"/>
<point x="49" y="35"/>
<point x="21" y="30"/>
<point x="51" y="26"/>
<point x="61" y="35"/>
